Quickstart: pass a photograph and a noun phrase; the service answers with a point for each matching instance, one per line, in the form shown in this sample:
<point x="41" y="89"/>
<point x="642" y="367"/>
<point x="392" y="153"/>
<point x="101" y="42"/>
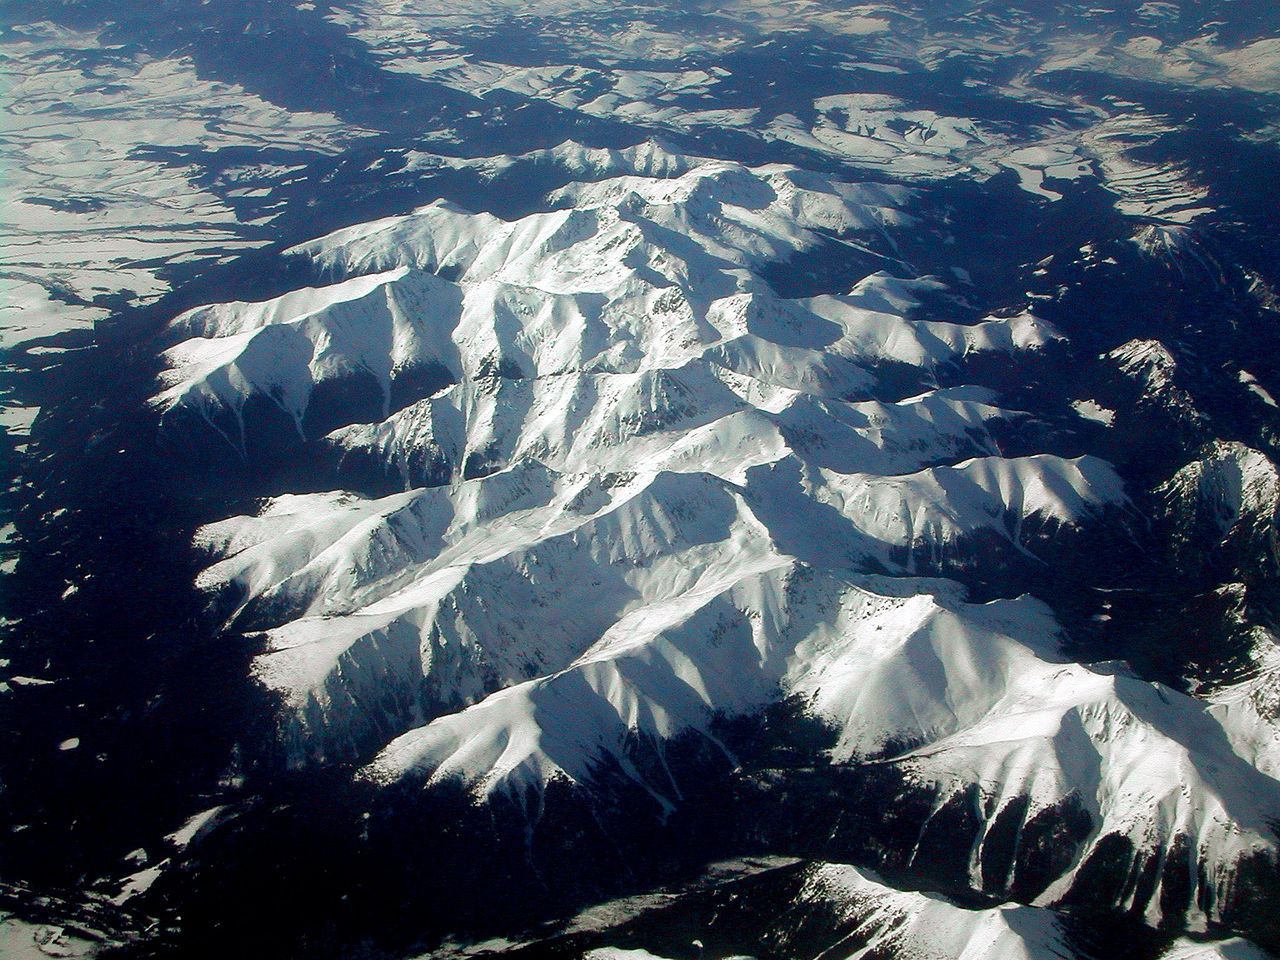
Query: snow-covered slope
<point x="336" y="572"/>
<point x="695" y="417"/>
<point x="633" y="275"/>
<point x="1222" y="511"/>
<point x="878" y="920"/>
<point x="1250" y="709"/>
<point x="1150" y="369"/>
<point x="1224" y="508"/>
<point x="625" y="492"/>
<point x="1233" y="948"/>
<point x="955" y="693"/>
<point x="824" y="909"/>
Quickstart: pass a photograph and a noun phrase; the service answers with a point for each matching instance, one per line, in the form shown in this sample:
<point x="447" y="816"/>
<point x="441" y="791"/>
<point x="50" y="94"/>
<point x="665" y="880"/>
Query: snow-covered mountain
<point x="1225" y="508"/>
<point x="646" y="495"/>
<point x="780" y="480"/>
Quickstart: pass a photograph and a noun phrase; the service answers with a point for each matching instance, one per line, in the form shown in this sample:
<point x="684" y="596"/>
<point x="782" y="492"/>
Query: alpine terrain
<point x="787" y="480"/>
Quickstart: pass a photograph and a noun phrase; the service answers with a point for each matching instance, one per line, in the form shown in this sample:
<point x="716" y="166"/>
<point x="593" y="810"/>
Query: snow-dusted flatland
<point x="81" y="210"/>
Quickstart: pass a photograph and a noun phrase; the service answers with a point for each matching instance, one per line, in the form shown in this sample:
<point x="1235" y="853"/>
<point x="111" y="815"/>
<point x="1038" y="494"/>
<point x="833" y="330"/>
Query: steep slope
<point x="624" y="337"/>
<point x="1224" y="509"/>
<point x="640" y="275"/>
<point x="837" y="910"/>
<point x="340" y="574"/>
<point x="1221" y="512"/>
<point x="617" y="495"/>
<point x="954" y="694"/>
<point x="877" y="920"/>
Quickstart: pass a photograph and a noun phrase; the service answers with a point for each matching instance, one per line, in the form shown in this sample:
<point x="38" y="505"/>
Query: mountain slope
<point x="645" y="497"/>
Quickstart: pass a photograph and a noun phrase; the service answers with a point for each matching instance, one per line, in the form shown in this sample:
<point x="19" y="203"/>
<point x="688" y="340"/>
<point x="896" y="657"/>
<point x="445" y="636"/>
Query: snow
<point x="21" y="940"/>
<point x="898" y="923"/>
<point x="980" y="689"/>
<point x="1092" y="410"/>
<point x="576" y="292"/>
<point x="649" y="158"/>
<point x="1151" y="191"/>
<point x="88" y="211"/>
<point x="196" y="826"/>
<point x="1198" y="62"/>
<point x="691" y="507"/>
<point x="139" y="883"/>
<point x="29" y="313"/>
<point x="1232" y="485"/>
<point x="1148" y="361"/>
<point x="1247" y="710"/>
<point x="661" y="494"/>
<point x="1036" y="164"/>
<point x="1251" y="382"/>
<point x="941" y="505"/>
<point x="1232" y="948"/>
<point x="73" y="132"/>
